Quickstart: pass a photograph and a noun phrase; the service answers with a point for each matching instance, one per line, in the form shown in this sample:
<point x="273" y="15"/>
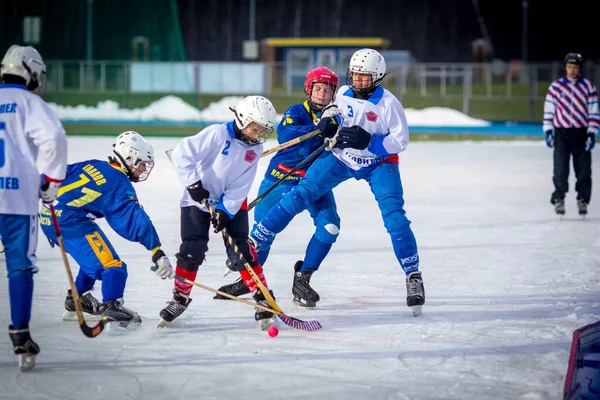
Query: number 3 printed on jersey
<point x="350" y="111"/>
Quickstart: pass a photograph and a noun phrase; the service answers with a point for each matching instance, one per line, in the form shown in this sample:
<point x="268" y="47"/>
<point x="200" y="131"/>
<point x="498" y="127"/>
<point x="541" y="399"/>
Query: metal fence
<point x="427" y="80"/>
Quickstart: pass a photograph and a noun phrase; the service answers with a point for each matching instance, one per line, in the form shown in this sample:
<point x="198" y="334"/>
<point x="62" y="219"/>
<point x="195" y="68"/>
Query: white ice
<point x="507" y="283"/>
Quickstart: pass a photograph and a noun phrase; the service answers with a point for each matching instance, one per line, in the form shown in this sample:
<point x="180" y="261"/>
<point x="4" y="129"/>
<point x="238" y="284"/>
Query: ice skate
<point x="237" y="288"/>
<point x="117" y="318"/>
<point x="582" y="206"/>
<point x="25" y="348"/>
<point x="89" y="305"/>
<point x="174" y="308"/>
<point x="415" y="292"/>
<point x="304" y="294"/>
<point x="559" y="207"/>
<point x="264" y="318"/>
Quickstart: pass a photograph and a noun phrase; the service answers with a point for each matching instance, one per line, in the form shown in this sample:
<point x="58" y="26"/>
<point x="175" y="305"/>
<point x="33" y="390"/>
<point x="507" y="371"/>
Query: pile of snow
<point x="172" y="108"/>
<point x="169" y="108"/>
<point x="441" y="116"/>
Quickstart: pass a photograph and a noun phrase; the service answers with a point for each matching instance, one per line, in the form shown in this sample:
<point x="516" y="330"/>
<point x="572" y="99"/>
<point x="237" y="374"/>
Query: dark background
<point x="433" y="30"/>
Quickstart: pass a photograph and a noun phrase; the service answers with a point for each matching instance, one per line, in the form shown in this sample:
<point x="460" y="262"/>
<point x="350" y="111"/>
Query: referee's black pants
<point x="567" y="142"/>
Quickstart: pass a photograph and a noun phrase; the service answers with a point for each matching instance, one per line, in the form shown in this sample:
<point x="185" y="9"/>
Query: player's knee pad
<point x="191" y="254"/>
<point x="327" y="233"/>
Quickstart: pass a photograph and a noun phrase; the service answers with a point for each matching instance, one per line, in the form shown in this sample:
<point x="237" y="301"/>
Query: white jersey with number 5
<point x="382" y="116"/>
<point x="226" y="166"/>
<point x="27" y="127"/>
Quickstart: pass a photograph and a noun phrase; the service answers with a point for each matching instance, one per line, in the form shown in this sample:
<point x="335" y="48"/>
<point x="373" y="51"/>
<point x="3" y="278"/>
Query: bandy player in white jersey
<point x="373" y="132"/>
<point x="27" y="127"/>
<point x="219" y="164"/>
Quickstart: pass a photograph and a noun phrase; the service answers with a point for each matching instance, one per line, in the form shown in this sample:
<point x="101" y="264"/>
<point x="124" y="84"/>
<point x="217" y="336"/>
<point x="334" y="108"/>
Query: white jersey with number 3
<point x="27" y="126"/>
<point x="380" y="115"/>
<point x="224" y="164"/>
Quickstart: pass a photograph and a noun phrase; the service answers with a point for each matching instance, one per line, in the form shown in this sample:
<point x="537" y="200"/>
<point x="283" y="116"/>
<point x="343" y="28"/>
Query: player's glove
<point x="353" y="137"/>
<point x="49" y="189"/>
<point x="329" y="125"/>
<point x="330" y="110"/>
<point x="549" y="139"/>
<point x="163" y="267"/>
<point x="218" y="220"/>
<point x="590" y="142"/>
<point x="197" y="192"/>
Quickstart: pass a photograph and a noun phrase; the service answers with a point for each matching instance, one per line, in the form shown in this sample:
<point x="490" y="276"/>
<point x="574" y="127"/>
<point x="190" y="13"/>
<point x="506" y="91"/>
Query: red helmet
<point x="320" y="75"/>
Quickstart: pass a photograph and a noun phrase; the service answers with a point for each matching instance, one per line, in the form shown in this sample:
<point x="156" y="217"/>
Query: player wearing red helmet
<point x="320" y="86"/>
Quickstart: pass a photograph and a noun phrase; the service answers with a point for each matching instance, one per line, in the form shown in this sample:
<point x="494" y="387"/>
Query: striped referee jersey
<point x="572" y="105"/>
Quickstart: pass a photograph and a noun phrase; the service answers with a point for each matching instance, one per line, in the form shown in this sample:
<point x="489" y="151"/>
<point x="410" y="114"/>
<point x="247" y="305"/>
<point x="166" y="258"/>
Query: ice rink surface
<point x="507" y="282"/>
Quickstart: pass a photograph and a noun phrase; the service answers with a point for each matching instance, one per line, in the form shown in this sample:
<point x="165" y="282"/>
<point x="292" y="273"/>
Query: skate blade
<point x="265" y="324"/>
<point x="300" y="303"/>
<point x="417" y="310"/>
<point x="227" y="272"/>
<point x="72" y="316"/>
<point x="26" y="362"/>
<point x="117" y="328"/>
<point x="164" y="324"/>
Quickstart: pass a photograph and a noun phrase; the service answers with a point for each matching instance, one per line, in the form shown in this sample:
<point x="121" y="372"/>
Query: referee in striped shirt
<point x="571" y="121"/>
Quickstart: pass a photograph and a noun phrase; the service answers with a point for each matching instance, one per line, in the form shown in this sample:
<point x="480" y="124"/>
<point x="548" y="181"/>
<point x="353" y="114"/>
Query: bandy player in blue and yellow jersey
<point x="99" y="189"/>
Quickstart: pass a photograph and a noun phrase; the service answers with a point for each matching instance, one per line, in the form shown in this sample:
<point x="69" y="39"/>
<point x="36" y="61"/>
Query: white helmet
<point x="256" y="109"/>
<point x="25" y="62"/>
<point x="367" y="61"/>
<point x="135" y="155"/>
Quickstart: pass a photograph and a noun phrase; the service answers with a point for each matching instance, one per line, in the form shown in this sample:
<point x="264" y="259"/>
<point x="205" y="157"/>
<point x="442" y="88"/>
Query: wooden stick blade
<point x="296" y="323"/>
<point x="92" y="331"/>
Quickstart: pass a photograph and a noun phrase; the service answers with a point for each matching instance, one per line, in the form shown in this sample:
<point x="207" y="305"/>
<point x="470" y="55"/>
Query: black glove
<point x="329" y="125"/>
<point x="197" y="192"/>
<point x="218" y="220"/>
<point x="353" y="137"/>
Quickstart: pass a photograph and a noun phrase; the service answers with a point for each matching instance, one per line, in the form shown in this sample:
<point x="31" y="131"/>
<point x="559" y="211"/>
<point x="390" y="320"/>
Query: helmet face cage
<point x="366" y="61"/>
<point x="258" y="110"/>
<point x="319" y="75"/>
<point x="135" y="155"/>
<point x="262" y="137"/>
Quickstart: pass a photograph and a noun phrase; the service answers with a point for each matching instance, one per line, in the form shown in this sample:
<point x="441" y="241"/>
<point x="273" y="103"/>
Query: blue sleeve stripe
<point x="221" y="207"/>
<point x="376" y="145"/>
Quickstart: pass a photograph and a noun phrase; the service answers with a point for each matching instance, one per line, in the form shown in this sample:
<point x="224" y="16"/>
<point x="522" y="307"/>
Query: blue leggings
<point x="324" y="175"/>
<point x="19" y="237"/>
<point x="97" y="260"/>
<point x="323" y="212"/>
